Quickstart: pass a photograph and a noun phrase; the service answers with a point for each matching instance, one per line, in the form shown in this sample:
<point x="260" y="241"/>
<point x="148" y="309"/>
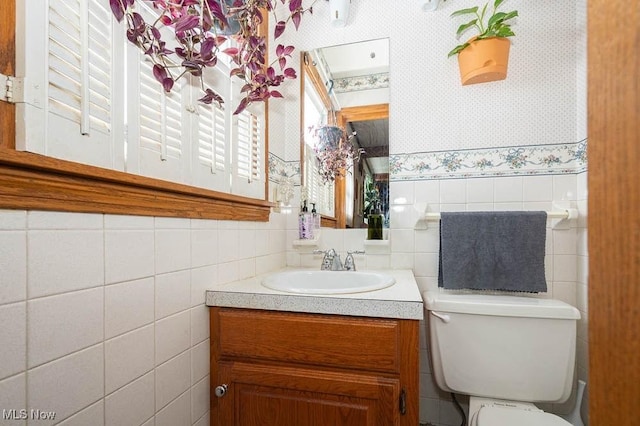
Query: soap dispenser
<point x="305" y="223"/>
<point x="375" y="224"/>
<point x="315" y="216"/>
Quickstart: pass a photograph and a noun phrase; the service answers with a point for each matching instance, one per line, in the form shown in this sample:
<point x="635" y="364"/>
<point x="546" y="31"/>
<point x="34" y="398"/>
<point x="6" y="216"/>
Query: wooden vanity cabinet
<point x="296" y="369"/>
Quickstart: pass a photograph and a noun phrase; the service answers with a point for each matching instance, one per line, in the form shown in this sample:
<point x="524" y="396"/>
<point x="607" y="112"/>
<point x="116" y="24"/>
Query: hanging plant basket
<point x="329" y="137"/>
<point x="335" y="152"/>
<point x="484" y="60"/>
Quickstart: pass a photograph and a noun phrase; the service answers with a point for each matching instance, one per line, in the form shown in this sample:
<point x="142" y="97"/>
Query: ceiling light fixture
<point x="339" y="12"/>
<point x="429" y="5"/>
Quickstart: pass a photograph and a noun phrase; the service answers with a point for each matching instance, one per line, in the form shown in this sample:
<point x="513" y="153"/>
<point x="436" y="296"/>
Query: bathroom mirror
<point x="348" y="85"/>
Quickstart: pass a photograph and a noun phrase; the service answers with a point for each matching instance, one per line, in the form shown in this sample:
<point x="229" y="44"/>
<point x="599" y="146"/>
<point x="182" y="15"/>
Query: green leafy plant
<point x="495" y="25"/>
<point x="371" y="196"/>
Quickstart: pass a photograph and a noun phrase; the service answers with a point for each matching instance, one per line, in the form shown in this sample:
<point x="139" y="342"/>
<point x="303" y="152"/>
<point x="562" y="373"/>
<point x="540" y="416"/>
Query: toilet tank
<point x="502" y="346"/>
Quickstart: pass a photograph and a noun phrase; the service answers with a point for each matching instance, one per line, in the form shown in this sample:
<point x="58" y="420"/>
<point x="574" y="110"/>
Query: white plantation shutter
<point x="248" y="151"/>
<point x="315" y="114"/>
<point x="249" y="137"/>
<point x="320" y="193"/>
<point x="211" y="137"/>
<point x="91" y="97"/>
<point x="66" y="52"/>
<point x="158" y="129"/>
<point x="211" y="162"/>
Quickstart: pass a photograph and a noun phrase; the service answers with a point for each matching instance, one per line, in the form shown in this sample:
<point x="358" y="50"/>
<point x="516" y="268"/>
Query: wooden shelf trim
<point x="35" y="182"/>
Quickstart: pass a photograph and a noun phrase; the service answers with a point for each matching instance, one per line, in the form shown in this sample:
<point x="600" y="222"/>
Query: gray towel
<point x="493" y="251"/>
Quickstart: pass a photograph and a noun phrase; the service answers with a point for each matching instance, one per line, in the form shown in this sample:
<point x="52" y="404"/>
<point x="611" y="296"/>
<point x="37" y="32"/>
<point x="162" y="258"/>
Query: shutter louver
<point x="211" y="137"/>
<point x="65" y="59"/>
<point x="160" y="116"/>
<point x="248" y="152"/>
<point x="80" y="63"/>
<point x="211" y="131"/>
<point x="159" y="133"/>
<point x="68" y="57"/>
<point x="100" y="60"/>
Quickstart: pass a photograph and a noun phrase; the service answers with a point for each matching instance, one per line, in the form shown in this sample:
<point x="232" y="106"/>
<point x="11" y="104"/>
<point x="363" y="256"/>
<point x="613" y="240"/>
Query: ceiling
<point x="373" y="137"/>
<point x="350" y="68"/>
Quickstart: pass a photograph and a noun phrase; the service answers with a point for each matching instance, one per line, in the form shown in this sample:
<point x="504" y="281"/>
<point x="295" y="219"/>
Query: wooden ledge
<point x="35" y="182"/>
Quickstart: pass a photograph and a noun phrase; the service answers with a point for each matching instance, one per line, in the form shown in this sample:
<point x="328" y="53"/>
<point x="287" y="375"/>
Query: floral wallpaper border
<point x="364" y="82"/>
<point x="490" y="162"/>
<point x="555" y="159"/>
<point x="280" y="169"/>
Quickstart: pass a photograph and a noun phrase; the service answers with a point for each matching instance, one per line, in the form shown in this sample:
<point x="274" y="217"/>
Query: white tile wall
<point x="69" y="384"/>
<point x="172" y="379"/>
<point x="128" y="306"/>
<point x="200" y="401"/>
<point x="173" y="249"/>
<point x="13" y="267"/>
<point x="177" y="413"/>
<point x="64" y="260"/>
<point x="172" y="336"/>
<point x="92" y="415"/>
<point x="13" y="334"/>
<point x="62" y="324"/>
<point x="128" y="255"/>
<point x="173" y="293"/>
<point x="132" y="404"/>
<point x="128" y="357"/>
<point x="103" y="317"/>
<point x="13" y="396"/>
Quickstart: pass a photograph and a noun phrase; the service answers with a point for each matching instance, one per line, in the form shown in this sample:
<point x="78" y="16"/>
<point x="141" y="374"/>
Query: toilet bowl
<point x="488" y="412"/>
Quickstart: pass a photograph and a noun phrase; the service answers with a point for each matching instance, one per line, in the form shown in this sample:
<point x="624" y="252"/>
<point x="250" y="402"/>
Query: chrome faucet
<point x="331" y="260"/>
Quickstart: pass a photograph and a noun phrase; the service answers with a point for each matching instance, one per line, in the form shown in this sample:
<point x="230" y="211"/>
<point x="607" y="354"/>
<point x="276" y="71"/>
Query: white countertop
<point x="402" y="300"/>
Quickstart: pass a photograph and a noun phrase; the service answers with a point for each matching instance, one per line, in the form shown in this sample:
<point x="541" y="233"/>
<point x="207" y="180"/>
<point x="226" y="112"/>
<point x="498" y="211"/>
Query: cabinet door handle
<point x="221" y="390"/>
<point x="403" y="402"/>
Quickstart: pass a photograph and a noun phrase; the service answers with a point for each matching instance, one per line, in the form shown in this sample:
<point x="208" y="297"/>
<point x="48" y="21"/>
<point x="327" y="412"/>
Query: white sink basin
<point x="327" y="282"/>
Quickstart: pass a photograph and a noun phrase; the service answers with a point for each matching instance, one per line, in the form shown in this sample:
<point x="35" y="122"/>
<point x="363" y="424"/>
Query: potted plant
<point x="201" y="29"/>
<point x="371" y="196"/>
<point x="484" y="57"/>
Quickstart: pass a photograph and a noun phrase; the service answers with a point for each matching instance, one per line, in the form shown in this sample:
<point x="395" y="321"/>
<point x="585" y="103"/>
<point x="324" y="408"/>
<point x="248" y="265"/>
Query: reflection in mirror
<point x="348" y="85"/>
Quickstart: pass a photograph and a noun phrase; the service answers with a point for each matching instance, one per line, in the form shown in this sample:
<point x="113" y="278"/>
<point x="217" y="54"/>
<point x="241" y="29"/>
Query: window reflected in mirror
<point x="315" y="113"/>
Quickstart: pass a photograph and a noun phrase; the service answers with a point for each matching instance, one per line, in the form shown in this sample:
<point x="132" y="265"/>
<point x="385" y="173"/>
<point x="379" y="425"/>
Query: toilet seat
<point x="508" y="416"/>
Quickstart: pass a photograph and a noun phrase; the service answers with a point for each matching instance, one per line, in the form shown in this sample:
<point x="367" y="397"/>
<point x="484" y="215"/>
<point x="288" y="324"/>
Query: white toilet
<point x="505" y="352"/>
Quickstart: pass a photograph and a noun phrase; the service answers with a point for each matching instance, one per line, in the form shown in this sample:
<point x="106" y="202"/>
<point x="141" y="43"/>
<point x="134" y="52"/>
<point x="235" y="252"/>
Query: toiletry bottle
<point x="316" y="217"/>
<point x="375" y="224"/>
<point x="305" y="223"/>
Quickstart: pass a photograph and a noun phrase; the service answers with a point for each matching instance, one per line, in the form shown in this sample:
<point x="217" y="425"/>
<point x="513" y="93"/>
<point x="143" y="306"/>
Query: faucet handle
<point x="349" y="261"/>
<point x="327" y="260"/>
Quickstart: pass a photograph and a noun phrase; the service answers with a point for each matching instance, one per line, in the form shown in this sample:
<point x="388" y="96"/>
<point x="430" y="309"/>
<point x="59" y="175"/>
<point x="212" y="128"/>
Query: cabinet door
<point x="259" y="395"/>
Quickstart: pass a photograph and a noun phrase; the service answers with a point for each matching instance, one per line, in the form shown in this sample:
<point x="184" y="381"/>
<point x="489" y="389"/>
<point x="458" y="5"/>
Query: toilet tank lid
<point x="500" y="305"/>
